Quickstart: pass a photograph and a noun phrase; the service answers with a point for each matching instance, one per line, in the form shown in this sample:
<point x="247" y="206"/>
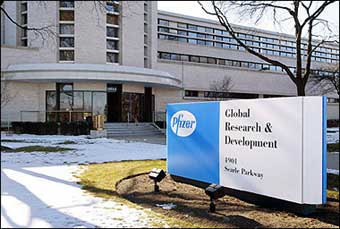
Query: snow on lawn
<point x="86" y="150"/>
<point x="39" y="190"/>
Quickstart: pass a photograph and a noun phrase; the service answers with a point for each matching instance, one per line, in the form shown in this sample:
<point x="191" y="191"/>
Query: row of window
<point x="112" y="32"/>
<point x="146" y="40"/>
<point x="217" y="94"/>
<point x="23" y="23"/>
<point x="240" y="48"/>
<point x="249" y="37"/>
<point x="228" y="62"/>
<point x="66" y="31"/>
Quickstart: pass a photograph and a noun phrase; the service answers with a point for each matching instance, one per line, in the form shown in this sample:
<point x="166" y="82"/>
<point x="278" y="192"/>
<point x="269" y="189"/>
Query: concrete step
<point x="131" y="129"/>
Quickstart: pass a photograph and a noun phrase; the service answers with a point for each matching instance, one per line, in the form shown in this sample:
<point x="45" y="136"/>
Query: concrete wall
<point x="90" y="33"/>
<point x="132" y="34"/>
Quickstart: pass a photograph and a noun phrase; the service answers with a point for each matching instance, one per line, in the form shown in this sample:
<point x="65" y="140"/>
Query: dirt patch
<point x="192" y="205"/>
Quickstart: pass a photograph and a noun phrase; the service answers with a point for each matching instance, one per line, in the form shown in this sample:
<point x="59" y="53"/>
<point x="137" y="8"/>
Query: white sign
<point x="274" y="147"/>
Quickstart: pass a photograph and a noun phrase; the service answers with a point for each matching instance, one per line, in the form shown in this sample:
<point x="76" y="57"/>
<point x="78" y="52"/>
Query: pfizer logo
<point x="183" y="123"/>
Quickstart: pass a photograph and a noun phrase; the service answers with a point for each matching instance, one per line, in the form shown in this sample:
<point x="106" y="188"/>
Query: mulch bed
<point x="192" y="205"/>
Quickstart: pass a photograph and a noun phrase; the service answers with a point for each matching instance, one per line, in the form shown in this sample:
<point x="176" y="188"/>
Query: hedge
<point x="51" y="128"/>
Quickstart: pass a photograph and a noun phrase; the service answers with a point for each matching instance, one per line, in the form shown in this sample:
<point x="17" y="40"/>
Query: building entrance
<point x="114" y="103"/>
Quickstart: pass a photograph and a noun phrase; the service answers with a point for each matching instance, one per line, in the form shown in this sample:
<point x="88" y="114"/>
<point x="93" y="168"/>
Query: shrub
<point x="51" y="128"/>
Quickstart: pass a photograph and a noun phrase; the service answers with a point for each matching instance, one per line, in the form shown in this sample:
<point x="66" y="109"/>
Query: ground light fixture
<point x="157" y="175"/>
<point x="214" y="191"/>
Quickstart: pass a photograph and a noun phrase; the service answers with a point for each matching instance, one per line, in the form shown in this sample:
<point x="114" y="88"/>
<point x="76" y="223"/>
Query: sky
<point x="192" y="8"/>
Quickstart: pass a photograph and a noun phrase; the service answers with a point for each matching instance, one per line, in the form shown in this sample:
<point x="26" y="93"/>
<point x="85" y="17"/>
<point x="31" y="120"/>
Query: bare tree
<point x="43" y="32"/>
<point x="326" y="80"/>
<point x="220" y="88"/>
<point x="6" y="96"/>
<point x="292" y="11"/>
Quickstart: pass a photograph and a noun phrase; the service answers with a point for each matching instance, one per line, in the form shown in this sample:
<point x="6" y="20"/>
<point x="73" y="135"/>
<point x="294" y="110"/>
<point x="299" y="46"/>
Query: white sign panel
<point x="273" y="147"/>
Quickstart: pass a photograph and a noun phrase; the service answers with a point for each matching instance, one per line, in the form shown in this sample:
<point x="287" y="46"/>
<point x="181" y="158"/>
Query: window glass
<point x="191" y="93"/>
<point x="66" y="55"/>
<point x="23" y="7"/>
<point x="66" y="4"/>
<point x="51" y="100"/>
<point x="99" y="103"/>
<point x="78" y="100"/>
<point x="194" y="59"/>
<point x="184" y="58"/>
<point x="218" y="44"/>
<point x="112" y="8"/>
<point x="181" y="39"/>
<point x="192" y="41"/>
<point x="203" y="59"/>
<point x="112" y="19"/>
<point x="162" y="29"/>
<point x="112" y="57"/>
<point x="163" y="22"/>
<point x="191" y="34"/>
<point x="200" y="42"/>
<point x="200" y="29"/>
<point x="112" y="44"/>
<point x="217" y="31"/>
<point x="66" y="100"/>
<point x="165" y="55"/>
<point x="66" y="29"/>
<point x="221" y="61"/>
<point x="192" y="27"/>
<point x="66" y="42"/>
<point x="209" y="30"/>
<point x="181" y="25"/>
<point x="211" y="60"/>
<point x="112" y="32"/>
<point x="175" y="56"/>
<point x="201" y="35"/>
<point x="209" y="43"/>
<point x="218" y="38"/>
<point x="66" y="15"/>
<point x="181" y="32"/>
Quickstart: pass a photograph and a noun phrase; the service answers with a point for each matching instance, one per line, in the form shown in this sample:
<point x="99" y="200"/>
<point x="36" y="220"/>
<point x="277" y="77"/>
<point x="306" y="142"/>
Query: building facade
<point x="127" y="60"/>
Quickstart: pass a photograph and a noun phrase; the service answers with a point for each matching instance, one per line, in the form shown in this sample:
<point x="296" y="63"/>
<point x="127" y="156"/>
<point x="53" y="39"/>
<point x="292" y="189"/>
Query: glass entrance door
<point x="114" y="103"/>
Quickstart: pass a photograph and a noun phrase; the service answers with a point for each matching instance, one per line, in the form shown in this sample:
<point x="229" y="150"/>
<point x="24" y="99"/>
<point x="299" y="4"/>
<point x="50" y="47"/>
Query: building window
<point x="23" y="23"/>
<point x="112" y="32"/>
<point x="112" y="19"/>
<point x="66" y="42"/>
<point x="112" y="45"/>
<point x="66" y="4"/>
<point x="66" y="31"/>
<point x="163" y="22"/>
<point x="66" y="55"/>
<point x="191" y="93"/>
<point x="66" y="15"/>
<point x="112" y="57"/>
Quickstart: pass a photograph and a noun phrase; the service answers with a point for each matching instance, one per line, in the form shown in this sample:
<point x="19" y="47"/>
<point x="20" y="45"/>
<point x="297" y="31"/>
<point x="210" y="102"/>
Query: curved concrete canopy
<point x="89" y="72"/>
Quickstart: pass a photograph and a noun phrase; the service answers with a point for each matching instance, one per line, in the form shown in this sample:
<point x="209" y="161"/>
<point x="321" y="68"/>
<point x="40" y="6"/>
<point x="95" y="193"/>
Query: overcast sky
<point x="193" y="9"/>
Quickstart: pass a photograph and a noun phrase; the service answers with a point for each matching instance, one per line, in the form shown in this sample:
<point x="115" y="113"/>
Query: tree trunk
<point x="300" y="88"/>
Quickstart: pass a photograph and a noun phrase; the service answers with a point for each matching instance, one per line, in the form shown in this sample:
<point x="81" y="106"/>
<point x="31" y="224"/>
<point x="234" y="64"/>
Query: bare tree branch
<point x="258" y="8"/>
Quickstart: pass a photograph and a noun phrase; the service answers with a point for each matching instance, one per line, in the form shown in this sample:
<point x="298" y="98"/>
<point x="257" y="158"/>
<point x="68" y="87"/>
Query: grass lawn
<point x="101" y="180"/>
<point x="36" y="148"/>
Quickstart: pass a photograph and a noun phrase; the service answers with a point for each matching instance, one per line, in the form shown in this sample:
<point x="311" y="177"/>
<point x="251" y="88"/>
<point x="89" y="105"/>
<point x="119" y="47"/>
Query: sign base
<point x="260" y="200"/>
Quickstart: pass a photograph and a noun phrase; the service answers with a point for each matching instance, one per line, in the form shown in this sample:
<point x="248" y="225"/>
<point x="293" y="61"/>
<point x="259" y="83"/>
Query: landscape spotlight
<point x="157" y="175"/>
<point x="214" y="191"/>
